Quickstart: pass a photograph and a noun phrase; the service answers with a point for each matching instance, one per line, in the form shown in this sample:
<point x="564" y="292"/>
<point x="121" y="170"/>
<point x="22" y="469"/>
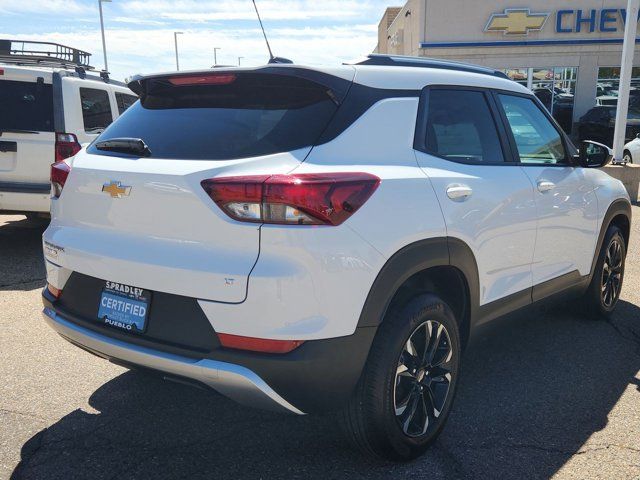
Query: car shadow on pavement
<point x="534" y="388"/>
<point x="21" y="260"/>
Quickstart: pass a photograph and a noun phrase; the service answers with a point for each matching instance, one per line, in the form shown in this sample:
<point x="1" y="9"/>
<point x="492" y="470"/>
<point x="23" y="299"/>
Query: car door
<point x="564" y="194"/>
<point x="486" y="199"/>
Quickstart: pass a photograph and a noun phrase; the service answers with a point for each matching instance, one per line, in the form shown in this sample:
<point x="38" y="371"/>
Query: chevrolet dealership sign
<point x="516" y="21"/>
<point x="521" y="21"/>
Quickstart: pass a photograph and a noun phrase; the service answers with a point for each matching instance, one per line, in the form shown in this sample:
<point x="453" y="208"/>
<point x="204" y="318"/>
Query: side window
<point x="537" y="139"/>
<point x="124" y="101"/>
<point x="460" y="127"/>
<point x="96" y="109"/>
<point x="26" y="106"/>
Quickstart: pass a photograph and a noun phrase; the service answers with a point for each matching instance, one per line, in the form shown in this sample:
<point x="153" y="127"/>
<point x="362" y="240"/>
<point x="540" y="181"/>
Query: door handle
<point x="459" y="193"/>
<point x="545" y="186"/>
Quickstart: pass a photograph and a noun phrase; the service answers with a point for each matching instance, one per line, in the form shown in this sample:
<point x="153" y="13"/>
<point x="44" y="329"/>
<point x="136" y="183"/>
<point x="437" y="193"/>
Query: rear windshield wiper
<point x="132" y="146"/>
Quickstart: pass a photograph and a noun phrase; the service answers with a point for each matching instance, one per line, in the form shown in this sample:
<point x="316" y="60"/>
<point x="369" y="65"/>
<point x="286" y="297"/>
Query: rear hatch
<point x="163" y="232"/>
<point x="26" y="126"/>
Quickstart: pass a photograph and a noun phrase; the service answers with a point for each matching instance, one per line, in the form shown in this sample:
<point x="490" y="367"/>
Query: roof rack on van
<point x="425" y="62"/>
<point x="25" y="52"/>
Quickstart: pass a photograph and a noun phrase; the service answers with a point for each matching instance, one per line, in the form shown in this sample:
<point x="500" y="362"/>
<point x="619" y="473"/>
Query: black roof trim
<point x="426" y="62"/>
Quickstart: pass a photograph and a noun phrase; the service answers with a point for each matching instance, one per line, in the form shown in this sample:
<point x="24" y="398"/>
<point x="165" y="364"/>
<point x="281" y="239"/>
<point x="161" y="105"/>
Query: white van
<point x="51" y="102"/>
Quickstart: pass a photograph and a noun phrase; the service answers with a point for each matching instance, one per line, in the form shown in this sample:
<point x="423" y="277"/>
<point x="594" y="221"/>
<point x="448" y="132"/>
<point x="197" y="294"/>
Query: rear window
<point x="251" y="115"/>
<point x="26" y="106"/>
<point x="96" y="109"/>
<point x="124" y="101"/>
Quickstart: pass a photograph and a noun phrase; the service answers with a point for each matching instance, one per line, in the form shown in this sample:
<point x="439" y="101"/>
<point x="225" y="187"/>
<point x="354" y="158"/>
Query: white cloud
<point x="139" y="34"/>
<point x="136" y="21"/>
<point x="65" y="7"/>
<point x="202" y="11"/>
<point x="146" y="51"/>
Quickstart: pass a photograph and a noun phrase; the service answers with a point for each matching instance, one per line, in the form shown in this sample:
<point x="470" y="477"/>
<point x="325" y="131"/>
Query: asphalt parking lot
<point x="543" y="394"/>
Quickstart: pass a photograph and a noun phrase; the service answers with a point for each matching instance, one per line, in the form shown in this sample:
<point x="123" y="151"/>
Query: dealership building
<point x="567" y="52"/>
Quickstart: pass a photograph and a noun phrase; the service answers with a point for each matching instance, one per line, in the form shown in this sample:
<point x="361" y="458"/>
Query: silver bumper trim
<point x="233" y="381"/>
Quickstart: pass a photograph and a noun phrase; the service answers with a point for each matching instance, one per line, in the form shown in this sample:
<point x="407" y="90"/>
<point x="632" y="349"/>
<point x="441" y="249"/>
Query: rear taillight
<point x="56" y="292"/>
<point x="59" y="173"/>
<point x="304" y="199"/>
<point x="66" y="146"/>
<point x="263" y="345"/>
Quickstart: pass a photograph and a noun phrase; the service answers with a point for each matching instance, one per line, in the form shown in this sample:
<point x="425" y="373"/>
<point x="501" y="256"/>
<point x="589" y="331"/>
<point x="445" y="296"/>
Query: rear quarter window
<point x="253" y="115"/>
<point x="26" y="106"/>
<point x="96" y="109"/>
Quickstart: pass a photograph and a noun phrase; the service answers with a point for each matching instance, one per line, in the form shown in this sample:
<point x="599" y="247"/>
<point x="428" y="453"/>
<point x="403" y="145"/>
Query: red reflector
<point x="218" y="79"/>
<point x="67" y="145"/>
<point x="56" y="292"/>
<point x="258" y="344"/>
<point x="59" y="174"/>
<point x="303" y="199"/>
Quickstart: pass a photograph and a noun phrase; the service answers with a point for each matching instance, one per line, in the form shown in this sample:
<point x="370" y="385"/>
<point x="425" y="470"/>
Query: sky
<point x="139" y="33"/>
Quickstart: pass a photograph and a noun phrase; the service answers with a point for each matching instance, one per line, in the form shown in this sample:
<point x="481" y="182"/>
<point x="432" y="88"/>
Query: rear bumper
<point x="318" y="376"/>
<point x="234" y="381"/>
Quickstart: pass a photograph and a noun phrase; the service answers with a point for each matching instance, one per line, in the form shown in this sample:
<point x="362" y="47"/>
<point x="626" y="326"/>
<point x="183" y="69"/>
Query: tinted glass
<point x="460" y="127"/>
<point x="96" y="109"/>
<point x="591" y="115"/>
<point x="26" y="106"/>
<point x="536" y="138"/>
<point x="124" y="101"/>
<point x="255" y="114"/>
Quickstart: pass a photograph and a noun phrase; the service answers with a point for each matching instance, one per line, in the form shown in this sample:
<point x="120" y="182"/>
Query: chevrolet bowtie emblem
<point x="116" y="189"/>
<point x="516" y="21"/>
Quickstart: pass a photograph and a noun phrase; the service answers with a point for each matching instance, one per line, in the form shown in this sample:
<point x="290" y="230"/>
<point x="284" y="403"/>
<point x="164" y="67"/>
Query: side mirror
<point x="638" y="135"/>
<point x="594" y="154"/>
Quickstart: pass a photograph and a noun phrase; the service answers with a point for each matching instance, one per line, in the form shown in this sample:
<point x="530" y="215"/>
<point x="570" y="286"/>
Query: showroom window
<point x="555" y="87"/>
<point x="609" y="82"/>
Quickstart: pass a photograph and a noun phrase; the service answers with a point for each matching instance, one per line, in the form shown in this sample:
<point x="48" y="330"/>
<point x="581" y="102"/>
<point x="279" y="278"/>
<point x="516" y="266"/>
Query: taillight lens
<point x="263" y="345"/>
<point x="56" y="292"/>
<point x="67" y="145"/>
<point x="59" y="173"/>
<point x="303" y="199"/>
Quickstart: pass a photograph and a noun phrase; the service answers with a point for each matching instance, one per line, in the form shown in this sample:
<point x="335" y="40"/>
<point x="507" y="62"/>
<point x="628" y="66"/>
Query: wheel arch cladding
<point x="443" y="266"/>
<point x="618" y="214"/>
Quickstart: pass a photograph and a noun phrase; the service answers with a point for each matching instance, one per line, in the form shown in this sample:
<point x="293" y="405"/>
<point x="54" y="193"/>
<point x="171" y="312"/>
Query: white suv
<point x="51" y="103"/>
<point x="310" y="239"/>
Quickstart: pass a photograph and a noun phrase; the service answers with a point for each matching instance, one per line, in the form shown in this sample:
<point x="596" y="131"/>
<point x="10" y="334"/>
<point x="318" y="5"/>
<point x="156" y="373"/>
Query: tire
<point x="604" y="290"/>
<point x="626" y="157"/>
<point x="378" y="419"/>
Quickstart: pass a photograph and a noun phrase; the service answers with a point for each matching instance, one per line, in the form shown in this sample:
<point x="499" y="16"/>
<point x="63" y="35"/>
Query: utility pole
<point x="104" y="44"/>
<point x="175" y="40"/>
<point x="239" y="59"/>
<point x="215" y="55"/>
<point x="628" y="49"/>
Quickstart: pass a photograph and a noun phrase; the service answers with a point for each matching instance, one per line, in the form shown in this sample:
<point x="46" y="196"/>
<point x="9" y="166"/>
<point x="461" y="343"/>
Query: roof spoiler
<point x="338" y="86"/>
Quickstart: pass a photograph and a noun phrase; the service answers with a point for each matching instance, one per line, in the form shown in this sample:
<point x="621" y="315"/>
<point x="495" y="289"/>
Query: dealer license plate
<point x="124" y="307"/>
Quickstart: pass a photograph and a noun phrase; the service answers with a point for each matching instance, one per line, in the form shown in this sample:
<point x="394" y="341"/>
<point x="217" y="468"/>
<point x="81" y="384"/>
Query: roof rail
<point x="426" y="62"/>
<point x="42" y="53"/>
